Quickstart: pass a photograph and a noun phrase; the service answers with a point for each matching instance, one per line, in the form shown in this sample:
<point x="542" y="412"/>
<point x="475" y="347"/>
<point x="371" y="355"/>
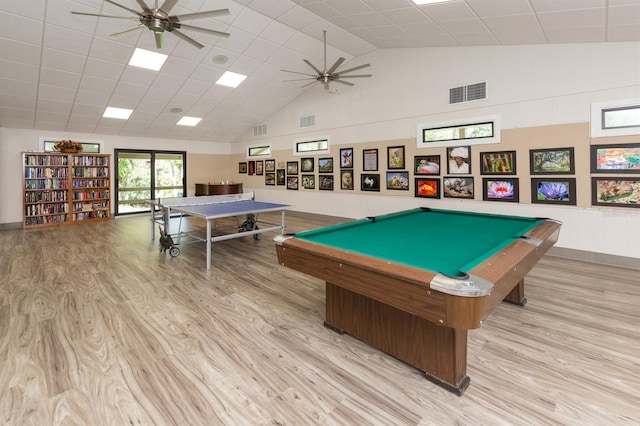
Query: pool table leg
<point x="516" y="295"/>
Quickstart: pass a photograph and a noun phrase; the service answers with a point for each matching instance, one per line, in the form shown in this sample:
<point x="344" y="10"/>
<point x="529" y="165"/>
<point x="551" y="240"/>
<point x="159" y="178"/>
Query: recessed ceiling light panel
<point x="231" y="79"/>
<point x="120" y="113"/>
<point x="147" y="59"/>
<point x="189" y="121"/>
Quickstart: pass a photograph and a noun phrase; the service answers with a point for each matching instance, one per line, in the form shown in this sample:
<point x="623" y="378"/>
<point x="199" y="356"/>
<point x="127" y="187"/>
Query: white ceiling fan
<point x="332" y="74"/>
<point x="157" y="19"/>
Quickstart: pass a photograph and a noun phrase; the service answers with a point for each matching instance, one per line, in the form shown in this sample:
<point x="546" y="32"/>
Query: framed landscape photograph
<point x="554" y="191"/>
<point x="458" y="187"/>
<point x="292" y="182"/>
<point x="307" y="165"/>
<point x="498" y="163"/>
<point x="269" y="165"/>
<point x="395" y="157"/>
<point x="280" y="176"/>
<point x="426" y="165"/>
<point x="269" y="178"/>
<point x="500" y="189"/>
<point x="346" y="179"/>
<point x="370" y="160"/>
<point x="618" y="158"/>
<point x="292" y="167"/>
<point x="370" y="182"/>
<point x="427" y="187"/>
<point x="325" y="182"/>
<point x="398" y="181"/>
<point x="552" y="161"/>
<point x="242" y="167"/>
<point x="616" y="192"/>
<point x="309" y="181"/>
<point x="325" y="165"/>
<point x="346" y="158"/>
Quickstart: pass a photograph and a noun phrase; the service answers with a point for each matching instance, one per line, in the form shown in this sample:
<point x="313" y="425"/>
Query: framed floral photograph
<point x="269" y="178"/>
<point x="498" y="163"/>
<point x="500" y="189"/>
<point x="346" y="179"/>
<point x="292" y="182"/>
<point x="269" y="165"/>
<point x="252" y="168"/>
<point x="395" y="157"/>
<point x="426" y="165"/>
<point x="346" y="158"/>
<point x="398" y="181"/>
<point x="242" y="167"/>
<point x="458" y="187"/>
<point x="370" y="182"/>
<point x="308" y="181"/>
<point x="554" y="191"/>
<point x="459" y="160"/>
<point x="292" y="167"/>
<point x="325" y="165"/>
<point x="427" y="187"/>
<point x="325" y="182"/>
<point x="618" y="158"/>
<point x="552" y="161"/>
<point x="259" y="167"/>
<point x="280" y="177"/>
<point x="307" y="165"/>
<point x="370" y="160"/>
<point x="612" y="192"/>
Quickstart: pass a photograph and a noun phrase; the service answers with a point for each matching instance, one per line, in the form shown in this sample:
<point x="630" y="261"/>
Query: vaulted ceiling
<point x="59" y="71"/>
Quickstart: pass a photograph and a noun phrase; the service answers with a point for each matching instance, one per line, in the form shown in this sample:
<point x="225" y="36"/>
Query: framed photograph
<point x="426" y="165"/>
<point x="269" y="165"/>
<point x="292" y="167"/>
<point x="269" y="178"/>
<point x="326" y="182"/>
<point x="242" y="167"/>
<point x="427" y="187"/>
<point x="500" y="189"/>
<point x="398" y="180"/>
<point x="370" y="160"/>
<point x="325" y="165"/>
<point x="554" y="191"/>
<point x="259" y="167"/>
<point x="346" y="158"/>
<point x="459" y="160"/>
<point x="395" y="157"/>
<point x="280" y="180"/>
<point x="346" y="179"/>
<point x="616" y="192"/>
<point x="458" y="187"/>
<point x="309" y="181"/>
<point x="292" y="182"/>
<point x="307" y="165"/>
<point x="498" y="163"/>
<point x="552" y="161"/>
<point x="370" y="182"/>
<point x="252" y="168"/>
<point x="618" y="158"/>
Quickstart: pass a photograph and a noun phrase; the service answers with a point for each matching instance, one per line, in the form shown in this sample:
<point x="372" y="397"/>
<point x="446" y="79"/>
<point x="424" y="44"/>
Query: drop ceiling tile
<point x="168" y="82"/>
<point x="27" y="8"/>
<point x="575" y="35"/>
<point x="517" y="29"/>
<point x="463" y="26"/>
<point x="261" y="49"/>
<point x="63" y="61"/>
<point x="193" y="88"/>
<point x="16" y="114"/>
<point x="575" y="18"/>
<point x="387" y="5"/>
<point x="557" y="5"/>
<point x="18" y="102"/>
<point x="56" y="93"/>
<point x="21" y="28"/>
<point x="104" y="69"/>
<point x="18" y="88"/>
<point x="129" y="90"/>
<point x="66" y="79"/>
<point x="140" y="76"/>
<point x="178" y="67"/>
<point x="500" y="7"/>
<point x="110" y="51"/>
<point x="19" y="71"/>
<point x="624" y="15"/>
<point x="271" y="8"/>
<point x="90" y="110"/>
<point x="15" y="51"/>
<point x="159" y="95"/>
<point x="54" y="106"/>
<point x="623" y="32"/>
<point x="448" y="11"/>
<point x="52" y="117"/>
<point x="297" y="17"/>
<point x="372" y="19"/>
<point x="61" y="38"/>
<point x="97" y="86"/>
<point x="51" y="126"/>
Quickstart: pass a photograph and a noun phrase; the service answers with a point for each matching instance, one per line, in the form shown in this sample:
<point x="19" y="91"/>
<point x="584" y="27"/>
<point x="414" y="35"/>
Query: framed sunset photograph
<point x="427" y="187"/>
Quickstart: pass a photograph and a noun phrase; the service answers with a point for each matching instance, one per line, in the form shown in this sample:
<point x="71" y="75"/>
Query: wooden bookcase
<point x="65" y="189"/>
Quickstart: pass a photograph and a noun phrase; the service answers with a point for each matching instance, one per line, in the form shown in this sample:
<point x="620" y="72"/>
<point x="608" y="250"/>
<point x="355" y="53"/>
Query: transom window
<point x="615" y="118"/>
<point x="478" y="131"/>
<point x="316" y="146"/>
<point x="259" y="151"/>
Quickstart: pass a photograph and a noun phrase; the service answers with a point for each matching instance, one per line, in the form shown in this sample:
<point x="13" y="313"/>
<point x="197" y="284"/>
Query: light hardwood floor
<point x="97" y="327"/>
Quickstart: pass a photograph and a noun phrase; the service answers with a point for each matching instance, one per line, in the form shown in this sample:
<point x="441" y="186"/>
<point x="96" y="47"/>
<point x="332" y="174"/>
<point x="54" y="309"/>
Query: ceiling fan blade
<point x="336" y="65"/>
<point x="343" y="82"/>
<point x="135" y="12"/>
<point x="301" y="73"/>
<point x="137" y="27"/>
<point x="353" y="76"/>
<point x="312" y="66"/>
<point x="359" y="67"/>
<point x="103" y="16"/>
<point x="308" y="84"/>
<point x="202" y="30"/>
<point x="159" y="39"/>
<point x="167" y="5"/>
<point x="144" y="6"/>
<point x="187" y="38"/>
<point x="200" y="15"/>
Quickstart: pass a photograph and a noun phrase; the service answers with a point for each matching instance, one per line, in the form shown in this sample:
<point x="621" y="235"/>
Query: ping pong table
<point x="211" y="208"/>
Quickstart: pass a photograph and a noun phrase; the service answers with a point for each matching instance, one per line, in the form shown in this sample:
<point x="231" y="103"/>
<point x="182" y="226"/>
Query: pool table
<point x="412" y="283"/>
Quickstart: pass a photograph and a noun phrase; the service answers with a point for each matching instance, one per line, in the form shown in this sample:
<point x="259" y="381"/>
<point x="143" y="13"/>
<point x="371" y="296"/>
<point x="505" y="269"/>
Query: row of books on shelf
<point x="46" y="209"/>
<point x="45" y="172"/>
<point x="45" y="196"/>
<point x="91" y="183"/>
<point x="41" y="220"/>
<point x="91" y="172"/>
<point x="90" y="195"/>
<point x="89" y="207"/>
<point x="46" y="160"/>
<point x="46" y="183"/>
<point x="89" y="160"/>
<point x="98" y="214"/>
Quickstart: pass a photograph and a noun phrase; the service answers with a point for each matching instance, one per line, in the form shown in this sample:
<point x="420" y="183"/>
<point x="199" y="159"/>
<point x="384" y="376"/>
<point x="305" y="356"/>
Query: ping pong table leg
<point x="208" y="244"/>
<point x="166" y="217"/>
<point x="153" y="222"/>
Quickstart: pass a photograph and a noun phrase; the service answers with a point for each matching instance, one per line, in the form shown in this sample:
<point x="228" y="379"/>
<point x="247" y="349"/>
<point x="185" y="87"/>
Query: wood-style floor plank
<point x="97" y="327"/>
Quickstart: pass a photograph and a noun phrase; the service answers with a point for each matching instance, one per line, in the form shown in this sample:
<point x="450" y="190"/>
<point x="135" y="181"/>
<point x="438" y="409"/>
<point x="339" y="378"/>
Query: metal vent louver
<point x="260" y="130"/>
<point x="308" y="121"/>
<point x="471" y="92"/>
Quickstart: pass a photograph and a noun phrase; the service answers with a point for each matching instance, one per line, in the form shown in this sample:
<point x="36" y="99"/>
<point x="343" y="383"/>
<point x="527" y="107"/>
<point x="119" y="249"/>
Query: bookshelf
<point x="65" y="189"/>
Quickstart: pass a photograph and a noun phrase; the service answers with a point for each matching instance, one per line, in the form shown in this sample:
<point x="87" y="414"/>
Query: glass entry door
<point x="145" y="175"/>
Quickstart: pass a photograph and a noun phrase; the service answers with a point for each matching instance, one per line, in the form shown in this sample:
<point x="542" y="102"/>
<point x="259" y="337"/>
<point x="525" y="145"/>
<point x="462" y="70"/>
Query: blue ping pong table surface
<point x="211" y="211"/>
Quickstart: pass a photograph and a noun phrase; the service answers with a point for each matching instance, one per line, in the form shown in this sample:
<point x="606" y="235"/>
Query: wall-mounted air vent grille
<point x="260" y="130"/>
<point x="471" y="92"/>
<point x="308" y="121"/>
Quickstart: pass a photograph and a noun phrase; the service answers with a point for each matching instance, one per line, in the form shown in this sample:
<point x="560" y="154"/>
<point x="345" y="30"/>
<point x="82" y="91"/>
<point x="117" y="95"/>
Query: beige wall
<point x="204" y="168"/>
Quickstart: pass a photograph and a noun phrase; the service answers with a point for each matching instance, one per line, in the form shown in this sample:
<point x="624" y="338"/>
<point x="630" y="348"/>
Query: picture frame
<point x="615" y="192"/>
<point x="395" y="157"/>
<point x="370" y="182"/>
<point x="615" y="158"/>
<point x="552" y="161"/>
<point x="427" y="187"/>
<point x="458" y="187"/>
<point x="292" y="167"/>
<point x="325" y="165"/>
<point x="242" y="167"/>
<point x="270" y="178"/>
<point x="252" y="168"/>
<point x="498" y="163"/>
<point x="398" y="181"/>
<point x="280" y="177"/>
<point x="426" y="165"/>
<point x="346" y="179"/>
<point x="501" y="189"/>
<point x="370" y="160"/>
<point x="259" y="167"/>
<point x="459" y="160"/>
<point x="292" y="182"/>
<point x="269" y="165"/>
<point x="307" y="165"/>
<point x="325" y="182"/>
<point x="308" y="181"/>
<point x="346" y="158"/>
<point x="558" y="191"/>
